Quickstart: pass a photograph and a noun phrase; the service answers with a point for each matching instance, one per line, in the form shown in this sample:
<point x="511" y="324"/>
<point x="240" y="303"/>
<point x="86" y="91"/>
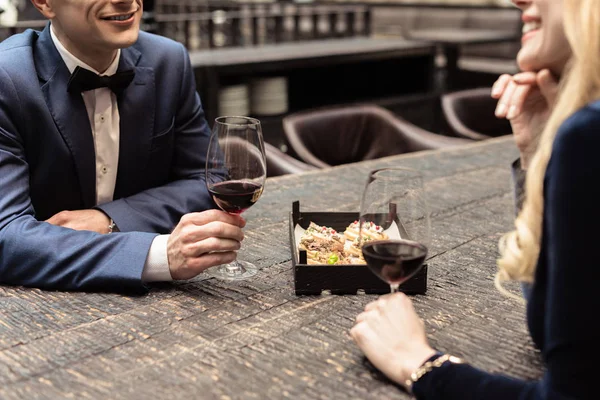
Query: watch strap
<point x="112" y="227"/>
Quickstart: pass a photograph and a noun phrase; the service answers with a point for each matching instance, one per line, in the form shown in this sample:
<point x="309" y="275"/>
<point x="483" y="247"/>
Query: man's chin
<point x="127" y="41"/>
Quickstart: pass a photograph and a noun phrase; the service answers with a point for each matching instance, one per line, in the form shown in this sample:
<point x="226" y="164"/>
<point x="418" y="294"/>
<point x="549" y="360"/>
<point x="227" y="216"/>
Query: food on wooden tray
<point x="370" y="230"/>
<point x="324" y="245"/>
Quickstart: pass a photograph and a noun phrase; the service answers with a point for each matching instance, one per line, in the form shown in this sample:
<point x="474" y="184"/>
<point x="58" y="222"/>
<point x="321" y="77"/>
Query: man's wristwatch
<point x="112" y="227"/>
<point x="434" y="362"/>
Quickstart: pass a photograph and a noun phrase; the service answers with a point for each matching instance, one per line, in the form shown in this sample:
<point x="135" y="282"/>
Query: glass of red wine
<point x="394" y="199"/>
<point x="236" y="170"/>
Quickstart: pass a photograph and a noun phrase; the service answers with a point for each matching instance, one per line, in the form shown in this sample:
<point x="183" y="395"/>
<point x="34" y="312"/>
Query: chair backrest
<point x="470" y="114"/>
<point x="280" y="163"/>
<point x="341" y="135"/>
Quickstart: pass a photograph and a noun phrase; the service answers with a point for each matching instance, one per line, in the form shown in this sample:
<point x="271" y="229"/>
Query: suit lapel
<point x="136" y="113"/>
<point x="69" y="113"/>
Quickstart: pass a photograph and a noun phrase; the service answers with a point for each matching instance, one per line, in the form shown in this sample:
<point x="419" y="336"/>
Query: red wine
<point x="235" y="196"/>
<point x="394" y="261"/>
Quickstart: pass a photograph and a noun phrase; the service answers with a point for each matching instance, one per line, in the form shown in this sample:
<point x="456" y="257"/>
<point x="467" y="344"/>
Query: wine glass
<point x="236" y="170"/>
<point x="394" y="203"/>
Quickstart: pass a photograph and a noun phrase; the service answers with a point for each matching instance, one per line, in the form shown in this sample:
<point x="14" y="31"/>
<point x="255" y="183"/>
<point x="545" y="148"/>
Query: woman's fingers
<point x="505" y="100"/>
<point x="364" y="315"/>
<point x="517" y="100"/>
<point x="512" y="92"/>
<point x="525" y="78"/>
<point x="379" y="303"/>
<point x="548" y="86"/>
<point x="500" y="85"/>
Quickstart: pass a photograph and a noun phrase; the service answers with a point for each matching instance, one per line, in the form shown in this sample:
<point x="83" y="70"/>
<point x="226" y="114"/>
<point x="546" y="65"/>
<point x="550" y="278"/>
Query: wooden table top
<point x="326" y="48"/>
<point x="462" y="36"/>
<point x="212" y="339"/>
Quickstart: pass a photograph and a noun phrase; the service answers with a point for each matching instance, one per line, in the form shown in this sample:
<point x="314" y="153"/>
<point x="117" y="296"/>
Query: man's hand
<point x="82" y="220"/>
<point x="203" y="240"/>
<point x="526" y="99"/>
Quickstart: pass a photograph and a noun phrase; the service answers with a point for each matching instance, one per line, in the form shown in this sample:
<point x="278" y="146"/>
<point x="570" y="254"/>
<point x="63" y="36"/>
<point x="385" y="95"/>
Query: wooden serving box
<point x="339" y="279"/>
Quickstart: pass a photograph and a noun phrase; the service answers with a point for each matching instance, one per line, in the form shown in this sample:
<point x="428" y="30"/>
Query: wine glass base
<point x="236" y="271"/>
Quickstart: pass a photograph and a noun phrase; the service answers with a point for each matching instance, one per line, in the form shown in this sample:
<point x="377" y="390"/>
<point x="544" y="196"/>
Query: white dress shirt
<point x="10" y="14"/>
<point x="103" y="113"/>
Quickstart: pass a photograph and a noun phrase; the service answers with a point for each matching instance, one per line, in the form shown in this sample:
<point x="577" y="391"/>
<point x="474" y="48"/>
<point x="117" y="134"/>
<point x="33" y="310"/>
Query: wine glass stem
<point x="394" y="288"/>
<point x="235" y="268"/>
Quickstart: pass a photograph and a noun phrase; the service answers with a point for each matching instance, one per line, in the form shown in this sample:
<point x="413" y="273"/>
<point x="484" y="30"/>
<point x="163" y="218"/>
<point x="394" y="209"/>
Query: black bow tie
<point x="83" y="79"/>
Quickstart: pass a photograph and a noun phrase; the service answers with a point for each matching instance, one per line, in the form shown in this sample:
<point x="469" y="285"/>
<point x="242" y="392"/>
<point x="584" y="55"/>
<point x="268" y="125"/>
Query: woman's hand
<point x="526" y="99"/>
<point x="392" y="336"/>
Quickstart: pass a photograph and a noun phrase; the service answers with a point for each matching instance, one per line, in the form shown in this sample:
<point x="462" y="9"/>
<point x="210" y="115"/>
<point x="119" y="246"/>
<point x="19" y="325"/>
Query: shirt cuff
<point x="156" y="267"/>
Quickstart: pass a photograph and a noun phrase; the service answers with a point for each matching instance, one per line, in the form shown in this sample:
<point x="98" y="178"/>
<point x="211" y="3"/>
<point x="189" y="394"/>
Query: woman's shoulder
<point x="575" y="158"/>
<point x="580" y="130"/>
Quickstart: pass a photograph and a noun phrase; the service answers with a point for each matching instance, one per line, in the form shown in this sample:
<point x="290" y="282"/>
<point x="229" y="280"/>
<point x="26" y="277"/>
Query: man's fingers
<point x="210" y="245"/>
<point x="59" y="218"/>
<point x="518" y="99"/>
<point x="205" y="217"/>
<point x="195" y="266"/>
<point x="213" y="259"/>
<point x="548" y="86"/>
<point x="500" y="85"/>
<point x="194" y="233"/>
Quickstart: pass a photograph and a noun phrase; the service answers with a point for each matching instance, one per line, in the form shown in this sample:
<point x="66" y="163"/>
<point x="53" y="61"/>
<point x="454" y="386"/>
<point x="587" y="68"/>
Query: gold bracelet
<point x="427" y="367"/>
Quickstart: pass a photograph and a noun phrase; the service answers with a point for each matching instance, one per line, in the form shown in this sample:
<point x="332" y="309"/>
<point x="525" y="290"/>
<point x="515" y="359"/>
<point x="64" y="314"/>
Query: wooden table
<point x="451" y="40"/>
<point x="211" y="339"/>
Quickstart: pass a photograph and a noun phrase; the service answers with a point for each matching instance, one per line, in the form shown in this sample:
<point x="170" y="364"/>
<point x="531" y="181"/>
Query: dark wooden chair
<point x="470" y="114"/>
<point x="341" y="135"/>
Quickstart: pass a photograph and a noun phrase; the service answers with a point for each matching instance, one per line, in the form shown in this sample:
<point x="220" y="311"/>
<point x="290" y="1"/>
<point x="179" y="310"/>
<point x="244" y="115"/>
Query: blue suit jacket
<point x="47" y="164"/>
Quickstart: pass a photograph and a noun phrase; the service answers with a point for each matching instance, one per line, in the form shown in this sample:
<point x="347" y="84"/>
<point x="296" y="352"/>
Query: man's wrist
<point x="112" y="227"/>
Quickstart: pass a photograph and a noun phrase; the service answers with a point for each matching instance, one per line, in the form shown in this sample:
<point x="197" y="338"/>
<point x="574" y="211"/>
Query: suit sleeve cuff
<point x="156" y="268"/>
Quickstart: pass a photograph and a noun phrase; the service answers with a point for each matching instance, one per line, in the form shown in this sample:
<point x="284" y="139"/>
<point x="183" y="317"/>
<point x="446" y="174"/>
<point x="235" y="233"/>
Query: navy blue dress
<point x="565" y="298"/>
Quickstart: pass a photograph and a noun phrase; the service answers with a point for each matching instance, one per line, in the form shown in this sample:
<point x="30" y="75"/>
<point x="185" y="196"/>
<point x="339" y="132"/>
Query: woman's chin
<point x="528" y="62"/>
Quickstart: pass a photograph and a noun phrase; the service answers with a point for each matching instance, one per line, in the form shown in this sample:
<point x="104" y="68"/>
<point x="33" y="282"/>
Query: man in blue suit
<point x="101" y="130"/>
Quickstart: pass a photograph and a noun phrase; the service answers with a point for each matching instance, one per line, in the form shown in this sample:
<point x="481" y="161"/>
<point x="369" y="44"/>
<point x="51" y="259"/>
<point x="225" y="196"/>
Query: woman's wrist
<point x="412" y="363"/>
<point x="435" y="361"/>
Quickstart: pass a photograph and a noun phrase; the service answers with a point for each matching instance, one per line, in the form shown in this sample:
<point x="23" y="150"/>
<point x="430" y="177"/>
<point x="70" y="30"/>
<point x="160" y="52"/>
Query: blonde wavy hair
<point x="579" y="85"/>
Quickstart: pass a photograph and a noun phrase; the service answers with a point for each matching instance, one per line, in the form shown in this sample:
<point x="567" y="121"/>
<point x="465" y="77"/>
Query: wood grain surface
<point x="210" y="339"/>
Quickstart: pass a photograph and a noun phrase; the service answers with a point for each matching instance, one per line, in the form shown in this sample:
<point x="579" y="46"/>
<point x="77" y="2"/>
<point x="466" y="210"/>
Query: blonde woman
<point x="552" y="246"/>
